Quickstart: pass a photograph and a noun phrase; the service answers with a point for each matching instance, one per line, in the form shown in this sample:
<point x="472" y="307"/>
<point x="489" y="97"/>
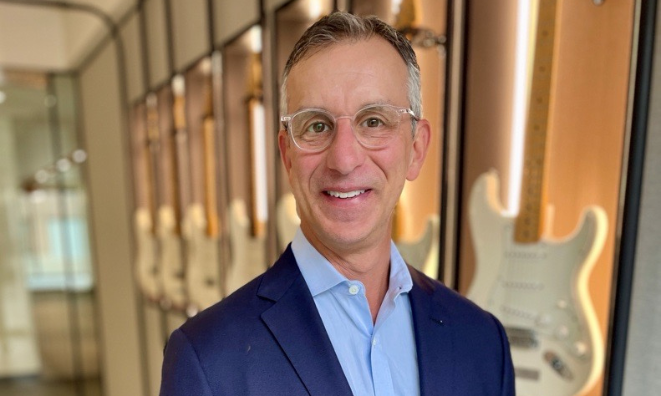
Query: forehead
<point x="348" y="75"/>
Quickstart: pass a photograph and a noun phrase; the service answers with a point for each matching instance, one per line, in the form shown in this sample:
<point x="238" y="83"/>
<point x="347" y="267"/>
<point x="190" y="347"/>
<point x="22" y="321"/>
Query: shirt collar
<point x="320" y="275"/>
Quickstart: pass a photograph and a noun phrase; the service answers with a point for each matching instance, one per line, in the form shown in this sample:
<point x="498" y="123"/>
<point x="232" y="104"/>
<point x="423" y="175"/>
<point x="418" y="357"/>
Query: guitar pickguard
<point x="202" y="257"/>
<point x="172" y="265"/>
<point x="288" y="220"/>
<point x="423" y="253"/>
<point x="248" y="252"/>
<point x="146" y="265"/>
<point x="539" y="291"/>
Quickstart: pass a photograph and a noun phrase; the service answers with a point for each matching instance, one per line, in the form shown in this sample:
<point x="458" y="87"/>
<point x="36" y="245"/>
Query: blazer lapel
<point x="299" y="330"/>
<point x="433" y="337"/>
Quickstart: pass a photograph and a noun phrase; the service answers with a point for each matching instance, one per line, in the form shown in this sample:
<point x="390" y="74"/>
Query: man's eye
<point x="372" y="122"/>
<point x="317" y="127"/>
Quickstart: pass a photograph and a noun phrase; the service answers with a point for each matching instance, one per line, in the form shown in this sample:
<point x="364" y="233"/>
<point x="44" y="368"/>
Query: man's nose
<point x="345" y="152"/>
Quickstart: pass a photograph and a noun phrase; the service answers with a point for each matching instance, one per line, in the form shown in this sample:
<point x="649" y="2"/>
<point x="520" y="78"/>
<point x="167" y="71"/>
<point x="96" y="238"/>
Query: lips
<point x="345" y="195"/>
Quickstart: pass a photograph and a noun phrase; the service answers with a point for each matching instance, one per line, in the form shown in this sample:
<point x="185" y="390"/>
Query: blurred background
<point x="140" y="180"/>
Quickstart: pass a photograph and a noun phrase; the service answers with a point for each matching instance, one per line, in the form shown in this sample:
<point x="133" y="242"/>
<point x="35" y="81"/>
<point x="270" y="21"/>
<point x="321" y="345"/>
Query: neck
<point x="369" y="265"/>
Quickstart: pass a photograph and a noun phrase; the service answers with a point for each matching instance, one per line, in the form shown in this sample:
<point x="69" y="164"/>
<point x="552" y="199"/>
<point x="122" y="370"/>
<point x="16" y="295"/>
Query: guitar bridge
<point x="522" y="338"/>
<point x="558" y="365"/>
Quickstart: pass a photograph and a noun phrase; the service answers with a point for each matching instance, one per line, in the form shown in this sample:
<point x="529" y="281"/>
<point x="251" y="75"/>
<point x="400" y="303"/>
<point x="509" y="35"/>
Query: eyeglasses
<point x="374" y="126"/>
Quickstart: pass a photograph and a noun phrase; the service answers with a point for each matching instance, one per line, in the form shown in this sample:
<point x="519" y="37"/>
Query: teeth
<point x="345" y="195"/>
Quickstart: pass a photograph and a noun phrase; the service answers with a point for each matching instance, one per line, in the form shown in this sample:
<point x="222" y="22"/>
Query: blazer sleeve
<point x="508" y="368"/>
<point x="182" y="373"/>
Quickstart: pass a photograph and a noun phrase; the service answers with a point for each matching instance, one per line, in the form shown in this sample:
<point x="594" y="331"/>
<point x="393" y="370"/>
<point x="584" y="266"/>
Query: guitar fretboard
<point x="529" y="223"/>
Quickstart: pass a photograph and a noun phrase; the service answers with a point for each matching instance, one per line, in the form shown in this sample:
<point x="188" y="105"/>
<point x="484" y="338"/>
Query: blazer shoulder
<point x="452" y="305"/>
<point x="242" y="309"/>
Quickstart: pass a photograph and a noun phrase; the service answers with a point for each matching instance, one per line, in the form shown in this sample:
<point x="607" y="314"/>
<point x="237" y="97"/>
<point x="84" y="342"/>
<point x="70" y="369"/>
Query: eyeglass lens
<point x="374" y="126"/>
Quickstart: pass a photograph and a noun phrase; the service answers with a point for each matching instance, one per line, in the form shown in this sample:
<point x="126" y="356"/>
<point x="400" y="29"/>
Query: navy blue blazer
<point x="267" y="339"/>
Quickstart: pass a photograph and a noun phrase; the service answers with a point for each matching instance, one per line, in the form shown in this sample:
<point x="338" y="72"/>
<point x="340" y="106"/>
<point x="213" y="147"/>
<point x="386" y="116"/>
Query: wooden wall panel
<point x="422" y="198"/>
<point x="491" y="40"/>
<point x="588" y="123"/>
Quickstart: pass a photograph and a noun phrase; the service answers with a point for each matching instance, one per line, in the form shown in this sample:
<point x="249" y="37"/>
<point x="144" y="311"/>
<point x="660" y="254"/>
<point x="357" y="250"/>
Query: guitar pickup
<point x="522" y="338"/>
<point x="526" y="374"/>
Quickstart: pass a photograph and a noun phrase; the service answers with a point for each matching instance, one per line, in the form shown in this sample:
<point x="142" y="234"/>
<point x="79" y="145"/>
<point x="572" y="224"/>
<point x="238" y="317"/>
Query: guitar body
<point x="423" y="253"/>
<point x="288" y="220"/>
<point x="248" y="252"/>
<point x="202" y="257"/>
<point x="539" y="291"/>
<point x="171" y="259"/>
<point x="146" y="265"/>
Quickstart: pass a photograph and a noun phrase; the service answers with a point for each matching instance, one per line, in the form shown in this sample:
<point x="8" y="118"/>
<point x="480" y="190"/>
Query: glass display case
<point x="248" y="160"/>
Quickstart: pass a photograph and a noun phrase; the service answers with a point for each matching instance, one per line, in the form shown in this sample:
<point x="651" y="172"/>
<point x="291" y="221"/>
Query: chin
<point x="348" y="235"/>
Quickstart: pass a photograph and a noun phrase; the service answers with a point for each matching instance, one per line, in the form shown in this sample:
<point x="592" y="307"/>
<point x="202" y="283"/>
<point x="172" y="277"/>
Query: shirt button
<point x="374" y="341"/>
<point x="353" y="289"/>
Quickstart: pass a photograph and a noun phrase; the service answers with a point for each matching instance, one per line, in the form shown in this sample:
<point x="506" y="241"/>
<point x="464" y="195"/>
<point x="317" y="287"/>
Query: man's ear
<point x="419" y="149"/>
<point x="283" y="143"/>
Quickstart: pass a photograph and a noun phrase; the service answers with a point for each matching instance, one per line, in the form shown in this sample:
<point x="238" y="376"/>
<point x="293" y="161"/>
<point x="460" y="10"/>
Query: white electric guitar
<point x="537" y="286"/>
<point x="539" y="291"/>
<point x="172" y="265"/>
<point x="201" y="222"/>
<point x="170" y="245"/>
<point x="248" y="225"/>
<point x="147" y="270"/>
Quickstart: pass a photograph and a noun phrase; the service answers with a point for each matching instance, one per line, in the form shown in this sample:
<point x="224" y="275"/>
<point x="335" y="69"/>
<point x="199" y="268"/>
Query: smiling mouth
<point x="345" y="195"/>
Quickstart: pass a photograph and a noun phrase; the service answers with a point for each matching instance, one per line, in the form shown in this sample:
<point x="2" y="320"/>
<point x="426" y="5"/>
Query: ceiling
<point x="48" y="35"/>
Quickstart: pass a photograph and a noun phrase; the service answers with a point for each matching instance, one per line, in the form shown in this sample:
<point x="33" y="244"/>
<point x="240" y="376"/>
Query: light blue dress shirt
<point x="377" y="359"/>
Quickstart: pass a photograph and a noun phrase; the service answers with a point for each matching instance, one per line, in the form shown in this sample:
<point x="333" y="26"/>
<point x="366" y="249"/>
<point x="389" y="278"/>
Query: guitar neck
<point x="177" y="147"/>
<point x="209" y="154"/>
<point x="529" y="224"/>
<point x="151" y="148"/>
<point x="256" y="128"/>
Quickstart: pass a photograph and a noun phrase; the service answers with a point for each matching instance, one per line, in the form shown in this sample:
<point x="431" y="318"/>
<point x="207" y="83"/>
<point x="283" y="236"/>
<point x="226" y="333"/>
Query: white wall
<point x="105" y="136"/>
<point x="643" y="359"/>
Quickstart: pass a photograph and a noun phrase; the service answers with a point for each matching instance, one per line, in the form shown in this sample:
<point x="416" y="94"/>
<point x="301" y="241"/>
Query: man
<point x="340" y="313"/>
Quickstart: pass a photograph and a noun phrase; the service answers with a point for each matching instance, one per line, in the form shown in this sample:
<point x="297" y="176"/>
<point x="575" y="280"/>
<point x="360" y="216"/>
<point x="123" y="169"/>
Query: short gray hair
<point x="342" y="26"/>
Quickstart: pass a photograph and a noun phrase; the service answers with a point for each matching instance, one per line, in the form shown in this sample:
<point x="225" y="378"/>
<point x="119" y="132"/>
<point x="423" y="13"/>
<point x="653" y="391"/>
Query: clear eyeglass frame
<point x="368" y="113"/>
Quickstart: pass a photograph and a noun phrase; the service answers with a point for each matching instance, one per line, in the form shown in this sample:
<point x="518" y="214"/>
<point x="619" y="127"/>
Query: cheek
<point x="394" y="164"/>
<point x="300" y="173"/>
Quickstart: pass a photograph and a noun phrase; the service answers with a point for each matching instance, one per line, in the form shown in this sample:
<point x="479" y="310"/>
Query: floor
<point x="63" y="358"/>
<point x="35" y="386"/>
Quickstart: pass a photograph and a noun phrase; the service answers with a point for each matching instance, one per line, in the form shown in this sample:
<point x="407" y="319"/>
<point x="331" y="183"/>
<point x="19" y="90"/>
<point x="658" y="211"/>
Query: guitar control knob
<point x="562" y="332"/>
<point x="580" y="349"/>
